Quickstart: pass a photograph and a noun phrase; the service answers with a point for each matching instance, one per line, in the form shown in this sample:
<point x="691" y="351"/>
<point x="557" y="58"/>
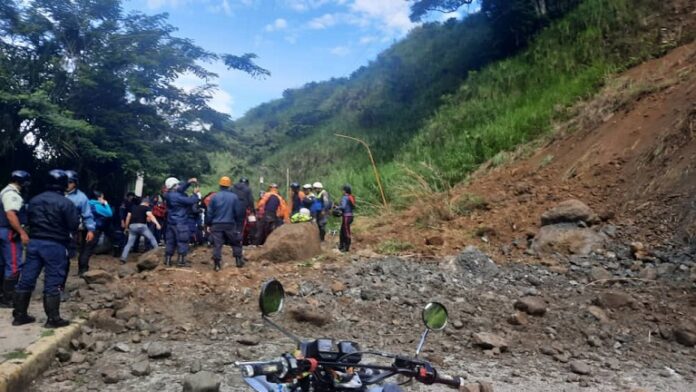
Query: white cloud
<point x="323" y="22"/>
<point x="278" y="24"/>
<point x="391" y="14"/>
<point x="340" y="51"/>
<point x="306" y="5"/>
<point x="222" y="101"/>
<point x="368" y="39"/>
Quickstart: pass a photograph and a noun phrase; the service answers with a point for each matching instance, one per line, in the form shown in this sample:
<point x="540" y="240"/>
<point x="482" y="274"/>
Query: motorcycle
<point x="323" y="365"/>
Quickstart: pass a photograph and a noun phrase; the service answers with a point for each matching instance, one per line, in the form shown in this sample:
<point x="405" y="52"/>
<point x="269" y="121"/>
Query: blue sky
<point x="297" y="40"/>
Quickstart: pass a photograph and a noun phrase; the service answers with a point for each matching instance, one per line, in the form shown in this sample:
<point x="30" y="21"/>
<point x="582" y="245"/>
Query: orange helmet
<point x="225" y="181"/>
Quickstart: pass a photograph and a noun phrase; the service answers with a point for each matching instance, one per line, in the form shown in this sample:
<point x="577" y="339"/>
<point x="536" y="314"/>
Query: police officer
<point x="52" y="219"/>
<point x="224" y="219"/>
<point x="12" y="235"/>
<point x="178" y="207"/>
<point x="81" y="202"/>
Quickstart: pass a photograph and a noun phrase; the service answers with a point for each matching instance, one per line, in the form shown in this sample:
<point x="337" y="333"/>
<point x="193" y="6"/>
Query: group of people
<point x="62" y="222"/>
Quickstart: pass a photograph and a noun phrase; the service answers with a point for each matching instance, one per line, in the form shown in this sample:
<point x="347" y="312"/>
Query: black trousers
<point x="346" y="236"/>
<point x="222" y="234"/>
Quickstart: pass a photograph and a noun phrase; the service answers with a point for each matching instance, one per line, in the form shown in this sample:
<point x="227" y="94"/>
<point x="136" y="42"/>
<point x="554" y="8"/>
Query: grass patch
<point x="17" y="354"/>
<point x="393" y="247"/>
<point x="47" y="332"/>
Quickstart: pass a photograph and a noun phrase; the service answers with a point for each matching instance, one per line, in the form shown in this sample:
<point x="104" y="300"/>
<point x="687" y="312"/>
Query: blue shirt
<point x="179" y="205"/>
<point x="82" y="204"/>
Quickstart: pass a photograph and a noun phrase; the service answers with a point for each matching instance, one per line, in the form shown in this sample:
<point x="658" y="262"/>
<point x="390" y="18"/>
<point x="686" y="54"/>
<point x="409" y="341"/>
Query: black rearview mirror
<point x="271" y="298"/>
<point x="435" y="316"/>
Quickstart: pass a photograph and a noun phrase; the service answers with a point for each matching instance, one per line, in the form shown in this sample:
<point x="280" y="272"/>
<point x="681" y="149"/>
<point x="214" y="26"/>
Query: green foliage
<point x="393" y="247"/>
<point x="17" y="354"/>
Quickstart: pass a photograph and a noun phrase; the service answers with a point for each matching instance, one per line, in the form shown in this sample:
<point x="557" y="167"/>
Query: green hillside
<point x="442" y="101"/>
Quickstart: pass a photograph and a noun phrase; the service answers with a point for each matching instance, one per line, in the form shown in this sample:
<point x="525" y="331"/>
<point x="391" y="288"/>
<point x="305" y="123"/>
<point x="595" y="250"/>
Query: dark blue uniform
<point x="225" y="217"/>
<point x="52" y="217"/>
<point x="178" y="209"/>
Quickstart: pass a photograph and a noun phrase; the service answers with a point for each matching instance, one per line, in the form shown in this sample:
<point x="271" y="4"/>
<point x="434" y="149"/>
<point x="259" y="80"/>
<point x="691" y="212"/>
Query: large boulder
<point x="150" y="260"/>
<point x="569" y="211"/>
<point x="202" y="382"/>
<point x="567" y="238"/>
<point x="98" y="277"/>
<point x="292" y="242"/>
<point x="473" y="261"/>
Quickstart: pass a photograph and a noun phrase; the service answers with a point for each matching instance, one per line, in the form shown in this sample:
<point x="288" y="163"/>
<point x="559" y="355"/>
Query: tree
<point x="85" y="86"/>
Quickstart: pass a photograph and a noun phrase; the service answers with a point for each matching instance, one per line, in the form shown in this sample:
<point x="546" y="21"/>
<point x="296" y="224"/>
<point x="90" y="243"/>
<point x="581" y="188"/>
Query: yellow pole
<point x="372" y="161"/>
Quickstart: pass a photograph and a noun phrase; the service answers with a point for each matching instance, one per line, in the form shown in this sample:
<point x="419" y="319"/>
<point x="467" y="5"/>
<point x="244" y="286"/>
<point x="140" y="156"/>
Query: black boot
<point x="168" y="260"/>
<point x="218" y="265"/>
<point x="182" y="262"/>
<point x="116" y="251"/>
<point x="21" y="304"/>
<point x="8" y="287"/>
<point x="52" y="308"/>
<point x="239" y="260"/>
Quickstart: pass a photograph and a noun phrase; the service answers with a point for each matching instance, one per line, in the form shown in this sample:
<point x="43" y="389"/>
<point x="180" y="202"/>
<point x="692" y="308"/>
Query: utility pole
<point x="372" y="161"/>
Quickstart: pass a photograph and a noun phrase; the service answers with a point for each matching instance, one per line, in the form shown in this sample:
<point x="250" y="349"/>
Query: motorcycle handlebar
<point x="275" y="367"/>
<point x="452" y="381"/>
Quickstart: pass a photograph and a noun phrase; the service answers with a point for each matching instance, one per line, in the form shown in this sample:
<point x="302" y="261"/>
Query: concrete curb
<point x="16" y="375"/>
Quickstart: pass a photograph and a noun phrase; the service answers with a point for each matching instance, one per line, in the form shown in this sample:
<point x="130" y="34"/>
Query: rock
<point x="598" y="313"/>
<point x="639" y="251"/>
<point x="487" y="341"/>
<point x="150" y="260"/>
<point x="581" y="368"/>
<point x="434" y="241"/>
<point x="666" y="269"/>
<point x="569" y="211"/>
<point x="141" y="368"/>
<point x="599" y="273"/>
<point x="685" y="337"/>
<point x="535" y="306"/>
<point x="126" y="270"/>
<point x="77" y="358"/>
<point x="648" y="273"/>
<point x="457" y="324"/>
<point x="594" y="341"/>
<point x="566" y="238"/>
<point x="196" y="367"/>
<point x="311" y="316"/>
<point x="122" y="347"/>
<point x="518" y="318"/>
<point x="63" y="355"/>
<point x="296" y="242"/>
<point x="486" y="386"/>
<point x="248" y="340"/>
<point x="613" y="300"/>
<point x="103" y="319"/>
<point x="337" y="287"/>
<point x="471" y="388"/>
<point x="157" y="350"/>
<point x="369" y="295"/>
<point x="131" y="310"/>
<point x="202" y="381"/>
<point x="111" y="376"/>
<point x="97" y="277"/>
<point x="473" y="261"/>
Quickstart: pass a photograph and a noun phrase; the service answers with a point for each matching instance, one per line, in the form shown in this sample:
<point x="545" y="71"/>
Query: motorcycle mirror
<point x="435" y="316"/>
<point x="271" y="298"/>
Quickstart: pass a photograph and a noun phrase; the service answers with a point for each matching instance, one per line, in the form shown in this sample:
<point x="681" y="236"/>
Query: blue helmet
<point x="21" y="177"/>
<point x="57" y="180"/>
<point x="72" y="176"/>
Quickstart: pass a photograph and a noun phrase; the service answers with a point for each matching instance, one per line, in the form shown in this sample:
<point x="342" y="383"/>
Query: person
<point x="346" y="209"/>
<point x="52" y="218"/>
<point x="159" y="210"/>
<point x="246" y="199"/>
<point x="13" y="218"/>
<point x="224" y="220"/>
<point x="321" y="208"/>
<point x="296" y="198"/>
<point x="102" y="213"/>
<point x="304" y="215"/>
<point x="129" y="201"/>
<point x="309" y="196"/>
<point x="275" y="212"/>
<point x="89" y="227"/>
<point x="136" y="225"/>
<point x="179" y="205"/>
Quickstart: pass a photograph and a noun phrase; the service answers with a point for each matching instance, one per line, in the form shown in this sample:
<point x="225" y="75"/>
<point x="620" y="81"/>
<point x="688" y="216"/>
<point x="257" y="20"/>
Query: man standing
<point x="103" y="215"/>
<point x="52" y="218"/>
<point x="246" y="199"/>
<point x="275" y="212"/>
<point x="347" y="207"/>
<point x="178" y="208"/>
<point x="323" y="209"/>
<point x="224" y="219"/>
<point x="12" y="235"/>
<point x="296" y="198"/>
<point x="136" y="225"/>
<point x="88" y="225"/>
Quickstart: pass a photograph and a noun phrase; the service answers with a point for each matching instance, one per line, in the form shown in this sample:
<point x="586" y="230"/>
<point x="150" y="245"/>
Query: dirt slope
<point x="629" y="153"/>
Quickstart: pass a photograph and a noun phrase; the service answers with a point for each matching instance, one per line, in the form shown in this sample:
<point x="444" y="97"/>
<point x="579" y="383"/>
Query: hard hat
<point x="347" y="189"/>
<point x="274" y="185"/>
<point x="307" y="186"/>
<point x="295" y="185"/>
<point x="244" y="180"/>
<point x="225" y="181"/>
<point x="171" y="182"/>
<point x="317" y="185"/>
<point x="72" y="176"/>
<point x="21" y="177"/>
<point x="57" y="180"/>
<point x="304" y="211"/>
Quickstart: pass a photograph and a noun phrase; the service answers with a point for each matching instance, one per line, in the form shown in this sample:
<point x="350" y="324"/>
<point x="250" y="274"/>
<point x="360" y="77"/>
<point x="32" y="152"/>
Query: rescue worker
<point x="13" y="217"/>
<point x="309" y="196"/>
<point x="322" y="207"/>
<point x="179" y="204"/>
<point x="89" y="227"/>
<point x="346" y="209"/>
<point x="275" y="212"/>
<point x="52" y="219"/>
<point x="246" y="198"/>
<point x="296" y="198"/>
<point x="136" y="223"/>
<point x="224" y="220"/>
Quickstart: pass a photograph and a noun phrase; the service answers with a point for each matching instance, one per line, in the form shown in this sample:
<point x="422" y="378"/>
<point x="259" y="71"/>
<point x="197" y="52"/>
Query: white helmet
<point x="171" y="182"/>
<point x="305" y="212"/>
<point x="317" y="185"/>
<point x="307" y="186"/>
